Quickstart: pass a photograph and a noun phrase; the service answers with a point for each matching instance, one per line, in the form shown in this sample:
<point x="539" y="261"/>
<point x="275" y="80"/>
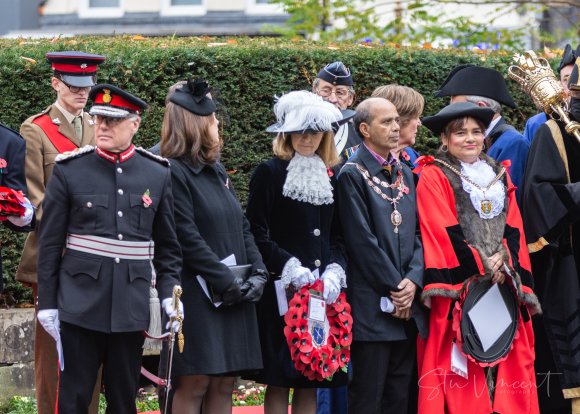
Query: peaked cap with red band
<point x="75" y="68"/>
<point x="113" y="102"/>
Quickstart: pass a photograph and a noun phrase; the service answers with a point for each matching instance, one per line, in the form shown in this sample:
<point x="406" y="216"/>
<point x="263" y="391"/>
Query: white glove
<point x="24" y="220"/>
<point x="333" y="280"/>
<point x="170" y="310"/>
<point x="294" y="273"/>
<point x="48" y="318"/>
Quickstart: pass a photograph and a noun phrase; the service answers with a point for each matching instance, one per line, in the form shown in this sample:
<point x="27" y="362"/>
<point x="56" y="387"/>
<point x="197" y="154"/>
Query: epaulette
<point x="69" y="155"/>
<point x="2" y="126"/>
<point x="155" y="157"/>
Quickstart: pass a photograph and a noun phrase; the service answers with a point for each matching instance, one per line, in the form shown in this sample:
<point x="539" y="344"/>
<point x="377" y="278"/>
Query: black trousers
<point x="84" y="351"/>
<point x="382" y="374"/>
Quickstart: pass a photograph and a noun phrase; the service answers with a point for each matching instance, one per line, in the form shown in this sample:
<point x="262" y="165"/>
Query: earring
<point x="483" y="146"/>
<point x="444" y="148"/>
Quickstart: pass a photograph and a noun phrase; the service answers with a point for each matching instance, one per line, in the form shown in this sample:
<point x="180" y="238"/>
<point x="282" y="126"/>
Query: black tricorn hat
<point x="574" y="82"/>
<point x="478" y="81"/>
<point x="472" y="344"/>
<point x="568" y="57"/>
<point x="336" y="73"/>
<point x="451" y="74"/>
<point x="437" y="123"/>
<point x="192" y="96"/>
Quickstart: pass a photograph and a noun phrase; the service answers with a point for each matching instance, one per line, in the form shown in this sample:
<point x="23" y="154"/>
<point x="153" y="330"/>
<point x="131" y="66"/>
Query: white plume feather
<point x="302" y="110"/>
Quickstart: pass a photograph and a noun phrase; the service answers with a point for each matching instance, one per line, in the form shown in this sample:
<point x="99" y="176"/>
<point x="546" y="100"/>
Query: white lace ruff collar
<point x="308" y="180"/>
<point x="482" y="174"/>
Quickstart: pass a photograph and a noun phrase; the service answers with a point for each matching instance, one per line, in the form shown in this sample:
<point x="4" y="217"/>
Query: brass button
<point x="316" y="232"/>
<point x="120" y="236"/>
<point x="89" y="204"/>
<point x="317" y="263"/>
<point x="117" y="260"/>
<point x="120" y="191"/>
<point x="120" y="213"/>
<point x="120" y="170"/>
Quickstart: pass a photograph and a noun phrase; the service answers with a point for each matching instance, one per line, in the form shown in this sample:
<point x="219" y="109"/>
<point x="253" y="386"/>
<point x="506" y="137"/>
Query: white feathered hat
<point x="305" y="112"/>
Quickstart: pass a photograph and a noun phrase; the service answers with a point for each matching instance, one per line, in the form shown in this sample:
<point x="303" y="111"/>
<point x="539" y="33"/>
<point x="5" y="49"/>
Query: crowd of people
<point x="435" y="253"/>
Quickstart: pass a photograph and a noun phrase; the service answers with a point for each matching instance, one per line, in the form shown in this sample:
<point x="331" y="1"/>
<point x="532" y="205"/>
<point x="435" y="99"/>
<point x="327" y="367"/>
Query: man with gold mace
<point x="377" y="208"/>
<point x="551" y="212"/>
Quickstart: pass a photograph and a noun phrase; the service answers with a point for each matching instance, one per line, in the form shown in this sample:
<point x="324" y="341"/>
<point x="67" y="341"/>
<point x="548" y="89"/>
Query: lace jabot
<point x="482" y="174"/>
<point x="308" y="181"/>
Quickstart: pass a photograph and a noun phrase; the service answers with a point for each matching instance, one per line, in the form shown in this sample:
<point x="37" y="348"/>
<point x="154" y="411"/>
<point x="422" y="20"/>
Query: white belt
<point x="101" y="246"/>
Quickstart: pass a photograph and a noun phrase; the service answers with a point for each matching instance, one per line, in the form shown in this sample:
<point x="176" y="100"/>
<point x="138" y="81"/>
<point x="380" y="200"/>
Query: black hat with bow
<point x="193" y="96"/>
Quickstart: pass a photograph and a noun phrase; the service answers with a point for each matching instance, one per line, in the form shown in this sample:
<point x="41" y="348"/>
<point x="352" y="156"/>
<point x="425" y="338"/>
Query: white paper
<point x="228" y="261"/>
<point x="386" y="305"/>
<point x="60" y="354"/>
<point x="281" y="297"/>
<point x="490" y="317"/>
<point x="316" y="308"/>
<point x="458" y="361"/>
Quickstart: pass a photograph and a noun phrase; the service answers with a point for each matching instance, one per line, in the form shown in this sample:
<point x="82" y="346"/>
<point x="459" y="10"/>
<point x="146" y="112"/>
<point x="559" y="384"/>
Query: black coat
<point x="12" y="150"/>
<point x="89" y="195"/>
<point x="379" y="258"/>
<point x="211" y="226"/>
<point x="286" y="228"/>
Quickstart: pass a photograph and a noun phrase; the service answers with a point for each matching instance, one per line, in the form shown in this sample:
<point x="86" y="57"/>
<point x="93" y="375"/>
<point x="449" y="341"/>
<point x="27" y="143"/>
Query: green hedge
<point x="247" y="72"/>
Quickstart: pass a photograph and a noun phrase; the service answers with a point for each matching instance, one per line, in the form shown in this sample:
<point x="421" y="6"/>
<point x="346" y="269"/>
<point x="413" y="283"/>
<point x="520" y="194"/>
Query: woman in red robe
<point x="472" y="232"/>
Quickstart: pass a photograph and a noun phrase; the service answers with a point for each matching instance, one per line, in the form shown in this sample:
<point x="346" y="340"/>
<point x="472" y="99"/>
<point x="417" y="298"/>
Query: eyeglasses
<point x="107" y="120"/>
<point x="76" y="89"/>
<point x="340" y="93"/>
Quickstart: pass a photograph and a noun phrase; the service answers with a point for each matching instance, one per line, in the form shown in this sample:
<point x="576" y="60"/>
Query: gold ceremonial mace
<point x="537" y="79"/>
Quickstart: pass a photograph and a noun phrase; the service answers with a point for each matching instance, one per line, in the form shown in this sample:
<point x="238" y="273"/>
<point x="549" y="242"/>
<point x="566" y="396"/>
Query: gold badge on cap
<point x="107" y="98"/>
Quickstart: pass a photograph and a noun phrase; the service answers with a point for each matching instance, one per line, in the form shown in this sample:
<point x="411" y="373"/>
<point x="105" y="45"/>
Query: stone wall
<point x="16" y="353"/>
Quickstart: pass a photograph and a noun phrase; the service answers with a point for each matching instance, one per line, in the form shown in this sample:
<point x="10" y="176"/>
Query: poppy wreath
<point x="11" y="203"/>
<point x="318" y="362"/>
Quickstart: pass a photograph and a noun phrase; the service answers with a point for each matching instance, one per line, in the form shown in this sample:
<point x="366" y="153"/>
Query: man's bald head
<point x="367" y="110"/>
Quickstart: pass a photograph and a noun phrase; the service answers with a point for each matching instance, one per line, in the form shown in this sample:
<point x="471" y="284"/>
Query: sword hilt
<point x="177" y="291"/>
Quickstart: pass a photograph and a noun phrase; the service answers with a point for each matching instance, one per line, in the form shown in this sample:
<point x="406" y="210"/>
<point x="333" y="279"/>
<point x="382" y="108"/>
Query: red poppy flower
<point x="345" y="339"/>
<point x="343" y="356"/>
<point x="3" y="163"/>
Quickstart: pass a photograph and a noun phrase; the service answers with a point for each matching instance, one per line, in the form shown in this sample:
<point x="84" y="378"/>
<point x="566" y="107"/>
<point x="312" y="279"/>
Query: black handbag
<point x="240" y="271"/>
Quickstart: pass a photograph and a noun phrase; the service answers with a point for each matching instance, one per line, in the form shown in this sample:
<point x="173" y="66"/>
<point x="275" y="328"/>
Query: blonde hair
<point x="408" y="101"/>
<point x="185" y="134"/>
<point x="282" y="148"/>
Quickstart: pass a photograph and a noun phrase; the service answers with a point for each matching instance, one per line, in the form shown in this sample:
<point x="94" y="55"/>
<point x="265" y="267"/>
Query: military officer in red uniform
<point x="109" y="208"/>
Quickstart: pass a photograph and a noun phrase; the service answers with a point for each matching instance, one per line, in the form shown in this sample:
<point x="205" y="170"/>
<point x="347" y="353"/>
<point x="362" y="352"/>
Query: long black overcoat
<point x="211" y="226"/>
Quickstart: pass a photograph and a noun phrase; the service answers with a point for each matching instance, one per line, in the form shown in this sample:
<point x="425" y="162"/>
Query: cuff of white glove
<point x="291" y="265"/>
<point x="26" y="218"/>
<point x="338" y="271"/>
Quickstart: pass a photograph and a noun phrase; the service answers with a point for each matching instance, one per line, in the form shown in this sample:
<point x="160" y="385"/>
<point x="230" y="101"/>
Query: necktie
<point x="78" y="126"/>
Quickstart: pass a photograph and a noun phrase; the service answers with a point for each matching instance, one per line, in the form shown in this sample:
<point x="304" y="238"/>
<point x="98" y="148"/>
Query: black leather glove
<point x="233" y="293"/>
<point x="254" y="286"/>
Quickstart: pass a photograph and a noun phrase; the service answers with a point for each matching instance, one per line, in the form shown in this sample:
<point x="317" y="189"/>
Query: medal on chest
<point x="399" y="185"/>
<point x="486" y="206"/>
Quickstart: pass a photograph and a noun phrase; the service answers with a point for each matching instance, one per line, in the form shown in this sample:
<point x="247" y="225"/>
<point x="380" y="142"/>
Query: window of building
<point x="183" y="7"/>
<point x="263" y="7"/>
<point x="100" y="8"/>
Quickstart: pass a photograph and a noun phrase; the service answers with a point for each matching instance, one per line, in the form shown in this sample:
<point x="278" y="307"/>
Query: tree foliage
<point x="414" y="22"/>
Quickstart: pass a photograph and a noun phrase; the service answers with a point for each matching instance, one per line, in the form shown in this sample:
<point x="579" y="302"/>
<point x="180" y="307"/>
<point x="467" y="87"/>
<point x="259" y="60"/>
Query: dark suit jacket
<point x="89" y="195"/>
<point x="12" y="150"/>
<point x="378" y="258"/>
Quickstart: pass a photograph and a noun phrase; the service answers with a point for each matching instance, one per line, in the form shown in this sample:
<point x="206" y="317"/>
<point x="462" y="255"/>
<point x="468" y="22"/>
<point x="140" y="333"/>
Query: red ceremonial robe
<point x="450" y="261"/>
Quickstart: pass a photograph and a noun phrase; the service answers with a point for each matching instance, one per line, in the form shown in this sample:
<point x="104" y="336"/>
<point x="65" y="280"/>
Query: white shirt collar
<point x="492" y="125"/>
<point x="69" y="117"/>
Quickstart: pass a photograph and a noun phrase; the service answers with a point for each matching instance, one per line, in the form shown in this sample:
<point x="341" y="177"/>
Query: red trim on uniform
<point x="81" y="67"/>
<point x="60" y="141"/>
<point x="114" y="100"/>
<point x="116" y="157"/>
